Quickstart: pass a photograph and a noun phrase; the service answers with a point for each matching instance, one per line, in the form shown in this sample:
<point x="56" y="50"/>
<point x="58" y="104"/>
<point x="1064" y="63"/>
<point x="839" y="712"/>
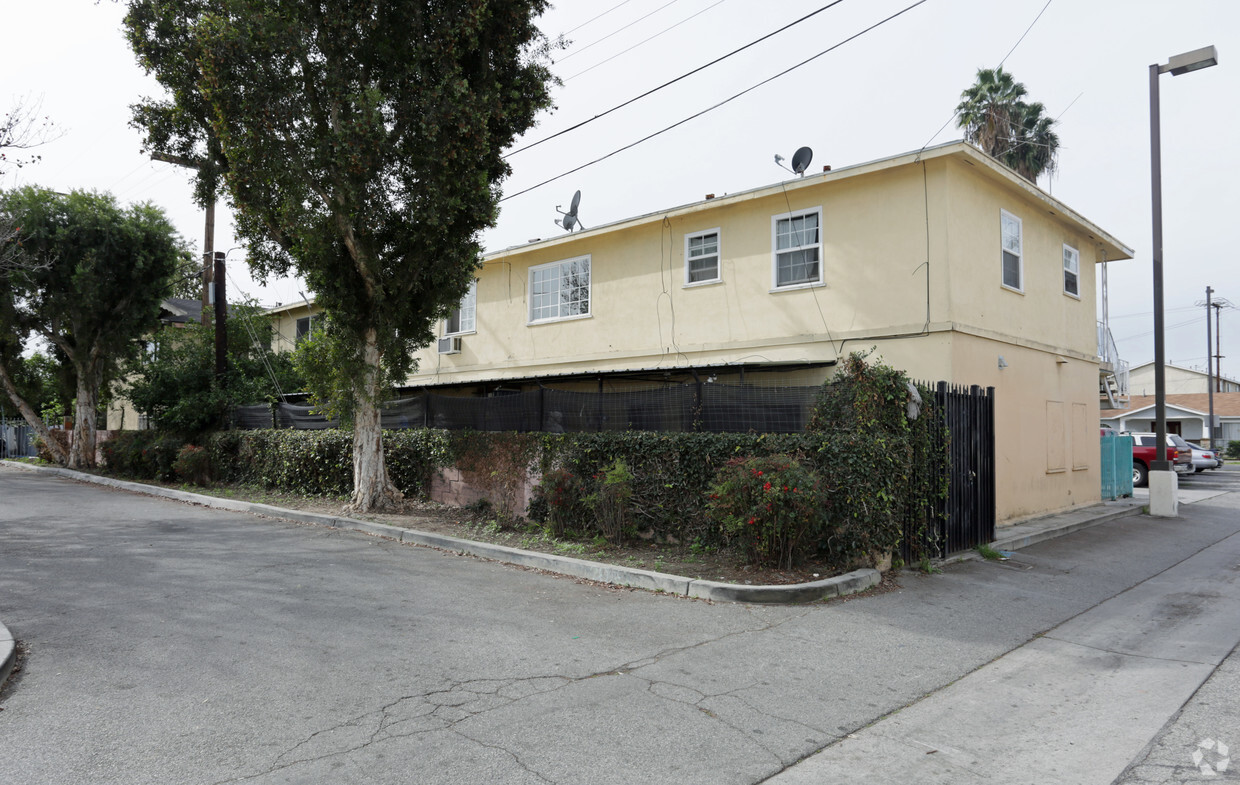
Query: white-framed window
<point x="1011" y="254"/>
<point x="1071" y="271"/>
<point x="465" y="318"/>
<point x="702" y="257"/>
<point x="305" y="326"/>
<point x="796" y="248"/>
<point x="560" y="290"/>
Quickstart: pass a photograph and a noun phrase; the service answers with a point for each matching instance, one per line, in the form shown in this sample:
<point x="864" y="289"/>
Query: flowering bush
<point x="771" y="506"/>
<point x="193" y="465"/>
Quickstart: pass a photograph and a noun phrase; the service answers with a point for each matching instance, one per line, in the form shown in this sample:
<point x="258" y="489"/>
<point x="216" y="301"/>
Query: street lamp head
<point x="1190" y="61"/>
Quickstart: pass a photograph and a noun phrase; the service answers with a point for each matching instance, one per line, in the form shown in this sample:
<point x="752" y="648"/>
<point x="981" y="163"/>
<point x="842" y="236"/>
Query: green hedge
<point x="142" y="455"/>
<point x="877" y="475"/>
<point x="320" y="463"/>
<point x="671" y="472"/>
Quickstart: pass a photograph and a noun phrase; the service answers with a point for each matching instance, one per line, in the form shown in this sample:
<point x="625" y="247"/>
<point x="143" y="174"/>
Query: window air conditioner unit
<point x="450" y="345"/>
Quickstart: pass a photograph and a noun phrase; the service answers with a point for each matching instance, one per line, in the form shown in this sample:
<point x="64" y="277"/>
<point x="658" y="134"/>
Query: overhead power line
<point x="644" y="41"/>
<point x="728" y="100"/>
<point x="595" y="18"/>
<point x="677" y="79"/>
<point x="614" y="32"/>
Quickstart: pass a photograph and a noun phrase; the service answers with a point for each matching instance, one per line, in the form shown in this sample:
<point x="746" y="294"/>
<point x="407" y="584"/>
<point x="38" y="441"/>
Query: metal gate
<point x="966" y="517"/>
<point x="16" y="439"/>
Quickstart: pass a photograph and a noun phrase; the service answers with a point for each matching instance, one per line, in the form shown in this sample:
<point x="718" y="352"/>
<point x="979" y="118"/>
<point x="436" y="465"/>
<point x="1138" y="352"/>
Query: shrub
<point x="1233" y="450"/>
<point x="610" y="501"/>
<point x="193" y="465"/>
<point x="670" y="472"/>
<point x="771" y="506"/>
<point x="560" y="491"/>
<point x="142" y="455"/>
<point x="320" y="463"/>
<point x="887" y="472"/>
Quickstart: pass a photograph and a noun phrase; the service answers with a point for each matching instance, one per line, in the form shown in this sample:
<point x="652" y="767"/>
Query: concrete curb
<point x="1025" y="540"/>
<point x="8" y="653"/>
<point x="853" y="582"/>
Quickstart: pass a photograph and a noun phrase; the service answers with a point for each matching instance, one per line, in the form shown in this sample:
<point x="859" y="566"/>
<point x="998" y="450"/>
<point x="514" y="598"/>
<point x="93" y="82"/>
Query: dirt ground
<point x="467" y="524"/>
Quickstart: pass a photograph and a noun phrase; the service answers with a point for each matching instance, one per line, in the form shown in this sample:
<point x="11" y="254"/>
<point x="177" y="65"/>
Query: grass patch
<point x="989" y="553"/>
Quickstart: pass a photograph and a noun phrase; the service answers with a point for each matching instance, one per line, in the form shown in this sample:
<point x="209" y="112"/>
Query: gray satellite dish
<point x="801" y="159"/>
<point x="570" y="220"/>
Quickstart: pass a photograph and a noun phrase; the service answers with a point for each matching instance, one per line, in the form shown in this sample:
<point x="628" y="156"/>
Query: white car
<point x="1204" y="459"/>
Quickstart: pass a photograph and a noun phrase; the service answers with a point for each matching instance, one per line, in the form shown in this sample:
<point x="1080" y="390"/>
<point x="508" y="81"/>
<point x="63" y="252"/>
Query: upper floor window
<point x="1071" y="271"/>
<point x="1011" y="253"/>
<point x="304" y="326"/>
<point x="797" y="242"/>
<point x="560" y="290"/>
<point x="464" y="318"/>
<point x="702" y="257"/>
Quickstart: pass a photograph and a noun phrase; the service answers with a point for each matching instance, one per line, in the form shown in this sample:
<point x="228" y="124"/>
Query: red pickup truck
<point x="1144" y="448"/>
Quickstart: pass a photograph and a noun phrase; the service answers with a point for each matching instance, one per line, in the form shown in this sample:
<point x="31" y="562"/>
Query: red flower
<point x="785" y="487"/>
<point x="767" y="487"/>
<point x="752" y="521"/>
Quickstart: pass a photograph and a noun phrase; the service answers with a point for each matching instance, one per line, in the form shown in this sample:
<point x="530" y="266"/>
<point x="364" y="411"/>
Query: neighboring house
<point x="1178" y="380"/>
<point x="948" y="264"/>
<point x="292" y="323"/>
<point x="174" y="312"/>
<point x="1186" y="415"/>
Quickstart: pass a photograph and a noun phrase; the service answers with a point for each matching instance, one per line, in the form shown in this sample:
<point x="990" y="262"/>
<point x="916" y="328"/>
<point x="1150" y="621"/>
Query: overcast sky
<point x="888" y="91"/>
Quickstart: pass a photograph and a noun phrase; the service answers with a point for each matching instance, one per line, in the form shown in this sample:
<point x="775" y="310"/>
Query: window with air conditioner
<point x="464" y="319"/>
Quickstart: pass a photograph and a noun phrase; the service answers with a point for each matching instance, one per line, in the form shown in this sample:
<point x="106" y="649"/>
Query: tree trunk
<point x="40" y="427"/>
<point x="372" y="490"/>
<point x="82" y="449"/>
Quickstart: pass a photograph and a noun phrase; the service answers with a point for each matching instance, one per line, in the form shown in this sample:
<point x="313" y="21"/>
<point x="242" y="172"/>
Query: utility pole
<point x="1209" y="368"/>
<point x="1218" y="306"/>
<point x="208" y="242"/>
<point x="221" y="316"/>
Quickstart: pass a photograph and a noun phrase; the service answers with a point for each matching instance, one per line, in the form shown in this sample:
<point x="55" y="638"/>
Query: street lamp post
<point x="1180" y="64"/>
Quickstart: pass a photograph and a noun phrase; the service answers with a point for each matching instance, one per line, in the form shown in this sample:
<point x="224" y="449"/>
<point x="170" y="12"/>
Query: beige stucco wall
<point x="911" y="259"/>
<point x="644" y="316"/>
<point x="1042" y="313"/>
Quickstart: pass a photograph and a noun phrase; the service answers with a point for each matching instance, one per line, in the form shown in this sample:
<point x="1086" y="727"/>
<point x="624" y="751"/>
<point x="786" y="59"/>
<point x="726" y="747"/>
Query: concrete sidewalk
<point x="1009" y="538"/>
<point x="1075" y="705"/>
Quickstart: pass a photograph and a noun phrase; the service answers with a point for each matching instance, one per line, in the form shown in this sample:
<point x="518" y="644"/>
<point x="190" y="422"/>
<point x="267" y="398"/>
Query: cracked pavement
<point x="172" y="643"/>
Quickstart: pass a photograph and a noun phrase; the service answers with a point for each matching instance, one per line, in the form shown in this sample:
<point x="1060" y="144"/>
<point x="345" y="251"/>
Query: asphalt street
<point x="171" y="643"/>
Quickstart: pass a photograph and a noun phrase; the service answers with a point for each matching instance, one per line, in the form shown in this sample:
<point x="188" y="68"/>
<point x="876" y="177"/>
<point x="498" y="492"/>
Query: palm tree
<point x="995" y="117"/>
<point x="1034" y="145"/>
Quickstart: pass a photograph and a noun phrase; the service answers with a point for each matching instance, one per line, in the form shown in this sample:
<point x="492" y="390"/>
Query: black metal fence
<point x="966" y="518"/>
<point x="698" y="407"/>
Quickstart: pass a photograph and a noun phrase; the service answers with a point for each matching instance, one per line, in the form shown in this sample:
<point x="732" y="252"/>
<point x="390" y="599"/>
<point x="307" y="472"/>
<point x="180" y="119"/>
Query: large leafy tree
<point x="363" y="141"/>
<point x="86" y="275"/>
<point x="172" y="381"/>
<point x="995" y="116"/>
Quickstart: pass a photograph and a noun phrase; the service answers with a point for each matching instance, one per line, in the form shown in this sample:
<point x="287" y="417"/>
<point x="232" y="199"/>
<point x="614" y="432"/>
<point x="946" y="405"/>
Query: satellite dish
<point x="570" y="220"/>
<point x="801" y="159"/>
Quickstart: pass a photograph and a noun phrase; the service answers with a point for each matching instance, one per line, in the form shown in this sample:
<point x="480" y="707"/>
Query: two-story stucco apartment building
<point x="950" y="265"/>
